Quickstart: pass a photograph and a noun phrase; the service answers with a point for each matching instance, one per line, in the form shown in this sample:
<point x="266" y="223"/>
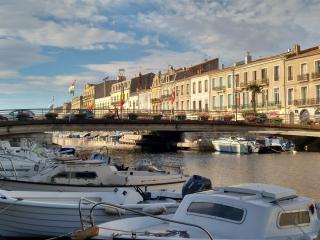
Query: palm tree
<point x="255" y="89"/>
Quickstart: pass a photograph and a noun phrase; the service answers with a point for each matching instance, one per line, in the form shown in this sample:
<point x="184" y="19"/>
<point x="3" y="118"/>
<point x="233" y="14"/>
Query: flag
<point x="122" y="97"/>
<point x="71" y="88"/>
<point x="173" y="96"/>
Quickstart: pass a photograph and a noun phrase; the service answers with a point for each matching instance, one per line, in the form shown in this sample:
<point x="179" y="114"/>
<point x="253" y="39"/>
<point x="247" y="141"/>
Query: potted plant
<point x="227" y="117"/>
<point x="180" y="116"/>
<point x="276" y="120"/>
<point x="51" y="116"/>
<point x="261" y="117"/>
<point x="132" y="116"/>
<point x="249" y="115"/>
<point x="203" y="116"/>
<point x="109" y="116"/>
<point x="157" y="117"/>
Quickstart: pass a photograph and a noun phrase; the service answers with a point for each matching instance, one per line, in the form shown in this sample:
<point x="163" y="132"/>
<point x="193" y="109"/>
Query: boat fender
<point x="114" y="211"/>
<point x="155" y="210"/>
<point x="85" y="234"/>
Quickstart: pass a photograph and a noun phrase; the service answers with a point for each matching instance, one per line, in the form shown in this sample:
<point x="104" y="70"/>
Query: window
<point x="304" y="69"/>
<point x="245" y="99"/>
<point x="290" y="96"/>
<point x="304" y="95"/>
<point x="254" y="75"/>
<point x="214" y="103"/>
<point x="213" y="84"/>
<point x="292" y="219"/>
<point x="245" y="78"/>
<point x="237" y="80"/>
<point x="317" y="94"/>
<point x="221" y="102"/>
<point x="221" y="83"/>
<point x="181" y="91"/>
<point x="276" y="97"/>
<point x="290" y="73"/>
<point x="194" y="105"/>
<point x="217" y="210"/>
<point x="206" y="85"/>
<point x="317" y="66"/>
<point x="84" y="175"/>
<point x="177" y="105"/>
<point x="194" y="88"/>
<point x="181" y="105"/>
<point x="61" y="175"/>
<point x="177" y="91"/>
<point x="187" y="104"/>
<point x="276" y="73"/>
<point x="188" y="89"/>
<point x="199" y="87"/>
<point x="229" y="81"/>
<point x="264" y="74"/>
<point x="229" y="100"/>
<point x="264" y="97"/>
<point x="200" y="105"/>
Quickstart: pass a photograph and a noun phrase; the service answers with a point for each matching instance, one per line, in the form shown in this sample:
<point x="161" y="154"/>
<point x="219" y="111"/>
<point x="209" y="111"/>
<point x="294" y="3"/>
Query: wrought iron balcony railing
<point x="315" y="75"/>
<point x="306" y="101"/>
<point x="303" y="77"/>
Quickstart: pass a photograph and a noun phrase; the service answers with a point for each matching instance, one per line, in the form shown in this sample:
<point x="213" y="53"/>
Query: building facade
<point x="77" y="103"/>
<point x="88" y="96"/>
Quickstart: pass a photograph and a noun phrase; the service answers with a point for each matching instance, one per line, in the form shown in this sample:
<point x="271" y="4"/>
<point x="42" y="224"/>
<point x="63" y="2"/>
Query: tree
<point x="255" y="89"/>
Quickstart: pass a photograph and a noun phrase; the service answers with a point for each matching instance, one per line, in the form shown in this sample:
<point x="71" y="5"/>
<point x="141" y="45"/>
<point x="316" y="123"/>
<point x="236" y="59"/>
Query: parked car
<point x="19" y="114"/>
<point x="83" y="114"/>
<point x="3" y="118"/>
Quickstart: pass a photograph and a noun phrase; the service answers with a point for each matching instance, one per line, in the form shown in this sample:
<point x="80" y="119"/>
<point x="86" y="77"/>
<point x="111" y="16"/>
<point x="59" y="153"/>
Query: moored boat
<point x="246" y="211"/>
<point x="232" y="145"/>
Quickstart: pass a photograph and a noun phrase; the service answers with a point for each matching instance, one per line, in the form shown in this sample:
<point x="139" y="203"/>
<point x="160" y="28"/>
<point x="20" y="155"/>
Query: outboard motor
<point x="195" y="184"/>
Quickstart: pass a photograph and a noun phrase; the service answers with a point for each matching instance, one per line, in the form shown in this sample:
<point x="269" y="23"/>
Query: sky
<point x="47" y="44"/>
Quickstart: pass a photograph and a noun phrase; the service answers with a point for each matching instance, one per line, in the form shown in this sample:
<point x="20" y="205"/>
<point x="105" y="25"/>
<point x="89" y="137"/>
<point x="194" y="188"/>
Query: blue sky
<point x="45" y="45"/>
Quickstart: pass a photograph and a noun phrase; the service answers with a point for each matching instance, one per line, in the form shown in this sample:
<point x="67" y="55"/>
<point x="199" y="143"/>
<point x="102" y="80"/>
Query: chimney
<point x="296" y="48"/>
<point x="248" y="58"/>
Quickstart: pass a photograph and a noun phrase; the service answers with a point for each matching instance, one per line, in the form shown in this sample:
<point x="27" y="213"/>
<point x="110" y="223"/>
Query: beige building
<point x="221" y="90"/>
<point x="77" y="103"/>
<point x="302" y="84"/>
<point x="88" y="96"/>
<point x="156" y="92"/>
<point x="102" y="100"/>
<point x="122" y="86"/>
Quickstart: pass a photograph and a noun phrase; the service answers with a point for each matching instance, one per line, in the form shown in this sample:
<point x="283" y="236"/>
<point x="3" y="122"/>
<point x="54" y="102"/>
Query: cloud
<point x="153" y="62"/>
<point x="16" y="54"/>
<point x="229" y="28"/>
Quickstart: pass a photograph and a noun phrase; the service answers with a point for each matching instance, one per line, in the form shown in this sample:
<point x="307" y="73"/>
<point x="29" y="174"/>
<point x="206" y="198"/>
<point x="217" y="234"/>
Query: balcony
<point x="303" y="77"/>
<point x="155" y="100"/>
<point x="221" y="89"/>
<point x="165" y="96"/>
<point x="263" y="81"/>
<point x="306" y="102"/>
<point x="315" y="75"/>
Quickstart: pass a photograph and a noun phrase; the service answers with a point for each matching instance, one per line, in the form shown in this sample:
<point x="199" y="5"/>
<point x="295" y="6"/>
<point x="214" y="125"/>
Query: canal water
<point x="299" y="171"/>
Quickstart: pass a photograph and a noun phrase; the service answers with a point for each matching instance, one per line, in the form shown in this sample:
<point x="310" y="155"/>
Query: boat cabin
<point x="250" y="211"/>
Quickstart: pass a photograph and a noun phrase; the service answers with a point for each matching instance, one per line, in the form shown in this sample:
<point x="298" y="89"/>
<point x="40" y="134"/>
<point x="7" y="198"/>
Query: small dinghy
<point x="247" y="211"/>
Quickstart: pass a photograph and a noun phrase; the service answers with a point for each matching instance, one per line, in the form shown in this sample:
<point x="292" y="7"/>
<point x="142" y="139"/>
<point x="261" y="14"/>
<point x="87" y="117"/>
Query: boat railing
<point x="119" y="208"/>
<point x="12" y="165"/>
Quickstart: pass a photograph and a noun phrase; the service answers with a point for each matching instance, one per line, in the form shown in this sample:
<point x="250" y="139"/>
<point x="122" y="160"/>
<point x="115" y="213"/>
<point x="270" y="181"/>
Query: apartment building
<point x="121" y="87"/>
<point x="302" y="83"/>
<point x="221" y="90"/>
<point x="182" y="90"/>
<point x="167" y="88"/>
<point x="103" y="103"/>
<point x="266" y="72"/>
<point x="156" y="92"/>
<point x="77" y="103"/>
<point x="88" y="96"/>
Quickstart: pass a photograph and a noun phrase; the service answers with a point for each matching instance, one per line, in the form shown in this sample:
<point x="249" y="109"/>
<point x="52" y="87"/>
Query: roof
<point x="265" y="190"/>
<point x="305" y="53"/>
<point x="103" y="89"/>
<point x="142" y="82"/>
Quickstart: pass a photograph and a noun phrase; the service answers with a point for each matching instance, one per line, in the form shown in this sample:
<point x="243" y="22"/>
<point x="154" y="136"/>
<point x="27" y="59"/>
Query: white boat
<point x="90" y="175"/>
<point x="247" y="211"/>
<point x="26" y="214"/>
<point x="232" y="145"/>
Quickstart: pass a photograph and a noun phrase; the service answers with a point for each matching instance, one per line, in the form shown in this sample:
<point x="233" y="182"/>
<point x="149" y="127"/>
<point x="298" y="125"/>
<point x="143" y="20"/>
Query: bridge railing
<point x="147" y="114"/>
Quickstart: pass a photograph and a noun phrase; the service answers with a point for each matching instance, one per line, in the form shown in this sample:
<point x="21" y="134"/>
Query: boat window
<point x="61" y="175"/>
<point x="85" y="175"/>
<point x="295" y="218"/>
<point x="217" y="210"/>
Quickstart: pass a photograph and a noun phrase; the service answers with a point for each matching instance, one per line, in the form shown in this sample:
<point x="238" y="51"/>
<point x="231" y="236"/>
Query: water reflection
<point x="298" y="171"/>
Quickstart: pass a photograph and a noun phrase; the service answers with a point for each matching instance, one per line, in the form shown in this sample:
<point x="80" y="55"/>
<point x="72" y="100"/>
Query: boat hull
<point x="25" y="220"/>
<point x="16" y="185"/>
<point x="231" y="147"/>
